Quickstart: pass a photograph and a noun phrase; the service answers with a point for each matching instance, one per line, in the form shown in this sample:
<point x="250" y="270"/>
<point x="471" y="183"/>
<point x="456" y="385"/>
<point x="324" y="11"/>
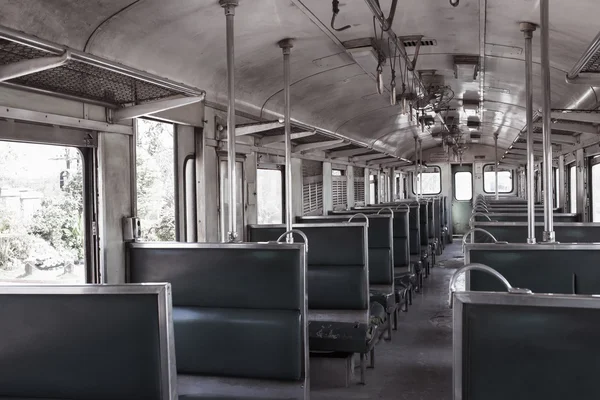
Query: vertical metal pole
<point x="229" y="6"/>
<point x="286" y="45"/>
<point x="549" y="235"/>
<point x="421" y="167"/>
<point x="527" y="29"/>
<point x="496" y="163"/>
<point x="417" y="191"/>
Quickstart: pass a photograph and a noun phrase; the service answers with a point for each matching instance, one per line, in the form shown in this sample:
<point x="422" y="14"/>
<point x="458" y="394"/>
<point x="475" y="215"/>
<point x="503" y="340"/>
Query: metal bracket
<point x="28" y="67"/>
<point x="419" y="38"/>
<point x="153" y="108"/>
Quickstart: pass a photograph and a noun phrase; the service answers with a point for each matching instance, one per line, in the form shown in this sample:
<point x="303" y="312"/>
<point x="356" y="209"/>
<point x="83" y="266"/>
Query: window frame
<point x="454" y="185"/>
<point x="512" y="179"/>
<point x="414" y="182"/>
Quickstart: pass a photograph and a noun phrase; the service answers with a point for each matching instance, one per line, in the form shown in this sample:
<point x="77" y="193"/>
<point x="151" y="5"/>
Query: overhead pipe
<point x="229" y="6"/>
<point x="528" y="29"/>
<point x="549" y="234"/>
<point x="496" y="163"/>
<point x="286" y="46"/>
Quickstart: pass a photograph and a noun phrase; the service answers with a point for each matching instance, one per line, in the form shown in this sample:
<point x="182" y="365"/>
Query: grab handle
<point x="489" y="270"/>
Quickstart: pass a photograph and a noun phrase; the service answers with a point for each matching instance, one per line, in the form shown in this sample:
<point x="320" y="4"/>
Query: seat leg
<point x="396" y="317"/>
<point x="363" y="369"/>
<point x="410" y="297"/>
<point x="388" y="337"/>
<point x="372" y="358"/>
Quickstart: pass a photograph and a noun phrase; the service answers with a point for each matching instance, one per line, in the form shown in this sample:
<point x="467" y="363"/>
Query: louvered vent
<point x="359" y="186"/>
<point x="424" y="42"/>
<point x="312" y="187"/>
<point x="339" y="192"/>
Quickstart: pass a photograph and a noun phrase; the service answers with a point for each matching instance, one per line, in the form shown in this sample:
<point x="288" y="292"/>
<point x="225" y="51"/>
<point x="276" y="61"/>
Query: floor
<point x="417" y="364"/>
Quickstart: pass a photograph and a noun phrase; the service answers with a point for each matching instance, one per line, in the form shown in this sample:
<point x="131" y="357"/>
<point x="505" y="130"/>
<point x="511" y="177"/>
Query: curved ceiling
<point x="184" y="40"/>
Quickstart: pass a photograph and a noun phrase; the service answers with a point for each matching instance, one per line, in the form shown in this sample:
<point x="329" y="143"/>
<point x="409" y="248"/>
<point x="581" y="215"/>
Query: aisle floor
<point x="417" y="364"/>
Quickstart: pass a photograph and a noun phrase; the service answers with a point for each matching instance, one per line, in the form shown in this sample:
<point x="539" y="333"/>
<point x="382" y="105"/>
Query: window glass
<point x="337" y="172"/>
<point x="224" y="193"/>
<point x="42" y="225"/>
<point x="557" y="188"/>
<point x="432" y="181"/>
<point x="463" y="186"/>
<point x="573" y="189"/>
<point x="596" y="193"/>
<point x="269" y="196"/>
<point x="155" y="180"/>
<point x="505" y="180"/>
<point x="373" y="189"/>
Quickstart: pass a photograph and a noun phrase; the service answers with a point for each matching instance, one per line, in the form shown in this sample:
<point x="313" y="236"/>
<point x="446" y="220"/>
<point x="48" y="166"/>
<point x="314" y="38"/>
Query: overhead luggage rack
<point x="84" y="76"/>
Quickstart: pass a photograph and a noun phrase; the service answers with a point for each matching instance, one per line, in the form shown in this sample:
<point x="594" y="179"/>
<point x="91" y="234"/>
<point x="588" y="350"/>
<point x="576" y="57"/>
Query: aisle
<point x="417" y="365"/>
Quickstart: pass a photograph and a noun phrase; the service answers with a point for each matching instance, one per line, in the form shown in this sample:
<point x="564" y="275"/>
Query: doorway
<point x="462" y="188"/>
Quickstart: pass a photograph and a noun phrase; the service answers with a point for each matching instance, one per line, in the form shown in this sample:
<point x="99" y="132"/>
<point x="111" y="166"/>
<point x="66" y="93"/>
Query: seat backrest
<point x="558" y="268"/>
<point x="239" y="309"/>
<point x="87" y="342"/>
<point x="517" y="232"/>
<point x="522" y="217"/>
<point x="337" y="274"/>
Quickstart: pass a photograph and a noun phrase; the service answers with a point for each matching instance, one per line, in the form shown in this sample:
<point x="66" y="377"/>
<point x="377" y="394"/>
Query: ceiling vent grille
<point x="424" y="42"/>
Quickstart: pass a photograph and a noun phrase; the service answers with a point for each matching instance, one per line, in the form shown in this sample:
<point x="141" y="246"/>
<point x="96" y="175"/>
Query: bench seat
<point x="347" y="337"/>
<point x="387" y="300"/>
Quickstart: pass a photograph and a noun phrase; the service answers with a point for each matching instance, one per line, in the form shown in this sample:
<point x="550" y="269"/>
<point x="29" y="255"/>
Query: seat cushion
<point x="377" y="314"/>
<point x="384" y="298"/>
<point x="338" y="336"/>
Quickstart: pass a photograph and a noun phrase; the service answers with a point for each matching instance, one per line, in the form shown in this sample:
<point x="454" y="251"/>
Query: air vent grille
<point x="424" y="42"/>
<point x="593" y="65"/>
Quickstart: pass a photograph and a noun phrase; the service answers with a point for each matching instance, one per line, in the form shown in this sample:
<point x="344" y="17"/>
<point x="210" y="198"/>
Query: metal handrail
<point x="470" y="232"/>
<point x="359" y="215"/>
<point x="478" y="214"/>
<point x="403" y="204"/>
<point x="489" y="270"/>
<point x="385" y="208"/>
<point x="299" y="232"/>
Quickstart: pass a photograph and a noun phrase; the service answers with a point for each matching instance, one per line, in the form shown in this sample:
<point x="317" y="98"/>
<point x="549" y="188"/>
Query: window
<point x="505" y="180"/>
<point x="224" y="197"/>
<point x="42" y="221"/>
<point x="373" y="189"/>
<point x="339" y="189"/>
<point x="557" y="188"/>
<point x="596" y="191"/>
<point x="359" y="186"/>
<point x="573" y="189"/>
<point x="312" y="187"/>
<point x="156" y="180"/>
<point x="463" y="186"/>
<point x="269" y="196"/>
<point x="432" y="181"/>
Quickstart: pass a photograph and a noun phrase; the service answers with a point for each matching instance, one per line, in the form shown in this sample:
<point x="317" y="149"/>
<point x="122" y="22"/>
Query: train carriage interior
<point x="299" y="199"/>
